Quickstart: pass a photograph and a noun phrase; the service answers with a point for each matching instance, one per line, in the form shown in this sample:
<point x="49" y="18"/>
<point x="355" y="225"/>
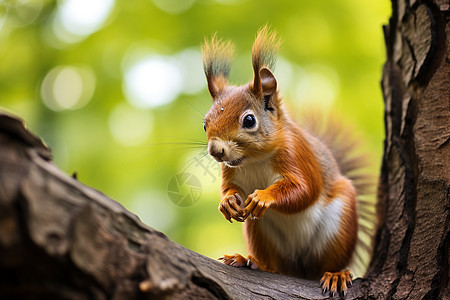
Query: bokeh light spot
<point x="317" y="85"/>
<point x="4" y="10"/>
<point x="153" y="210"/>
<point x="284" y="73"/>
<point x="190" y="64"/>
<point x="174" y="6"/>
<point x="76" y="19"/>
<point x="152" y="81"/>
<point x="130" y="126"/>
<point x="28" y="10"/>
<point x="67" y="87"/>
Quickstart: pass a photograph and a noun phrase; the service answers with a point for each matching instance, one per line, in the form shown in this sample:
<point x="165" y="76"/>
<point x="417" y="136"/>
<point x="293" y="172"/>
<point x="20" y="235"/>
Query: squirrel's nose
<point x="216" y="149"/>
<point x="217" y="153"/>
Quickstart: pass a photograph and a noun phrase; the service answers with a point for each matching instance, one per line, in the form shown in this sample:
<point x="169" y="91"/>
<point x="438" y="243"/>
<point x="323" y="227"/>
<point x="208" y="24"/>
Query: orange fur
<point x="260" y="247"/>
<point x="276" y="175"/>
<point x="300" y="169"/>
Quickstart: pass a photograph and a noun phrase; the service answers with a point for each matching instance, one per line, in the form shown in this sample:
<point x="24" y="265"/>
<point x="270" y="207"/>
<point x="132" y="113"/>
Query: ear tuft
<point x="217" y="56"/>
<point x="264" y="56"/>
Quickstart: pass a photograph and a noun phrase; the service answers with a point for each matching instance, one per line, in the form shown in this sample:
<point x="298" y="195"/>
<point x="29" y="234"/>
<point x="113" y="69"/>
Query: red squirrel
<point x="299" y="210"/>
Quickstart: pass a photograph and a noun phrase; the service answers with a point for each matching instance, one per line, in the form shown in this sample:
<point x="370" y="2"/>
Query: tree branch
<point x="61" y="238"/>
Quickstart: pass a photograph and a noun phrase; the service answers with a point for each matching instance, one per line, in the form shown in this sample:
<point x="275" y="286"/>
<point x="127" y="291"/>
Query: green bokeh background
<point x="332" y="55"/>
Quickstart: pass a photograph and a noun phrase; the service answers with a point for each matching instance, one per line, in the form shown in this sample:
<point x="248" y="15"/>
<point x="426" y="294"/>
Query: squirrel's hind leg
<point x="238" y="260"/>
<point x="336" y="281"/>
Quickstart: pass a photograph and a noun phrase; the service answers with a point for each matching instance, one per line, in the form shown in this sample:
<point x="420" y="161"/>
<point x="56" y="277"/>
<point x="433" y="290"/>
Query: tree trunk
<point x="411" y="252"/>
<point x="62" y="239"/>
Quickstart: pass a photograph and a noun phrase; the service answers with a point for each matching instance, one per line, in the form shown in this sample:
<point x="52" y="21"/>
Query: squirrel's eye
<point x="204" y="127"/>
<point x="249" y="121"/>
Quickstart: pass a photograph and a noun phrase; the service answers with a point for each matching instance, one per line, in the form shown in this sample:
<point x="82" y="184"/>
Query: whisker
<point x="178" y="143"/>
<point x="153" y="152"/>
<point x="181" y="139"/>
<point x="194" y="107"/>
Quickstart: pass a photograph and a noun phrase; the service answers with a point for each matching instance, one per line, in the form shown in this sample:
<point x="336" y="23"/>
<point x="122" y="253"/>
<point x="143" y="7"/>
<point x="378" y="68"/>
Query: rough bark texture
<point x="62" y="239"/>
<point x="411" y="254"/>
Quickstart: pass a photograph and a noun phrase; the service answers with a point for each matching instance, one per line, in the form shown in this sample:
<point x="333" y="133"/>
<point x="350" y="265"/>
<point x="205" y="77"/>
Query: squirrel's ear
<point x="263" y="58"/>
<point x="268" y="82"/>
<point x="268" y="88"/>
<point x="216" y="84"/>
<point x="264" y="83"/>
<point x="217" y="56"/>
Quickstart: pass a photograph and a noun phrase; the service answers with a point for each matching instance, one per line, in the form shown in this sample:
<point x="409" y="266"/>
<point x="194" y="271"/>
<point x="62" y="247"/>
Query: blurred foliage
<point x="69" y="75"/>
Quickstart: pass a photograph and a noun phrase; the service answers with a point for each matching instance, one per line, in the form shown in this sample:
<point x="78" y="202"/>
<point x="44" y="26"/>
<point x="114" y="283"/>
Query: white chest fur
<point x="304" y="234"/>
<point x="255" y="176"/>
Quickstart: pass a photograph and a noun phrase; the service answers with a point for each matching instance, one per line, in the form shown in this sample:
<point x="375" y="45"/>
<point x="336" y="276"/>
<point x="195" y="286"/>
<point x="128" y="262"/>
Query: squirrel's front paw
<point x="230" y="207"/>
<point x="257" y="204"/>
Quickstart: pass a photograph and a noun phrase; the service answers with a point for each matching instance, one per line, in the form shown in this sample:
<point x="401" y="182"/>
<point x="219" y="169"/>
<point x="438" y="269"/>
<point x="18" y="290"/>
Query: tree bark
<point x="411" y="247"/>
<point x="62" y="239"/>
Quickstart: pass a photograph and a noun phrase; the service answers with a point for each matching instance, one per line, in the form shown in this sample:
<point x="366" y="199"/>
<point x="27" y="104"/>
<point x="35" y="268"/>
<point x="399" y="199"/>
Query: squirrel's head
<point x="242" y="123"/>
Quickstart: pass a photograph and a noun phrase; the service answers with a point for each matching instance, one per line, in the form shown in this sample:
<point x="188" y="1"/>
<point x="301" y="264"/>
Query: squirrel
<point x="287" y="185"/>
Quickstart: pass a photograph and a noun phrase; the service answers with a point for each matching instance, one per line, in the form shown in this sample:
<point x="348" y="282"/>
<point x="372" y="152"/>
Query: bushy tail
<point x="355" y="165"/>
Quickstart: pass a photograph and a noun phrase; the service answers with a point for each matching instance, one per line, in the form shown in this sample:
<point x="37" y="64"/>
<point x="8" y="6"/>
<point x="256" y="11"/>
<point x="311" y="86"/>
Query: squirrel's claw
<point x="257" y="204"/>
<point x="338" y="281"/>
<point x="239" y="261"/>
<point x="230" y="208"/>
